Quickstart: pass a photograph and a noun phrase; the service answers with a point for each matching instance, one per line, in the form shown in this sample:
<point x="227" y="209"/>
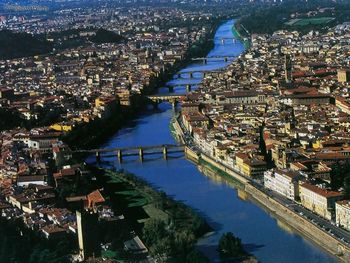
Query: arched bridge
<point x="189" y="74"/>
<point x="140" y="151"/>
<point x="223" y="39"/>
<point x="172" y="98"/>
<point x="214" y="58"/>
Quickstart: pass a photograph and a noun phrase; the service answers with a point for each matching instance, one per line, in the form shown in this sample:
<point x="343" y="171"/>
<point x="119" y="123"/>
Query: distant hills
<point x="17" y="45"/>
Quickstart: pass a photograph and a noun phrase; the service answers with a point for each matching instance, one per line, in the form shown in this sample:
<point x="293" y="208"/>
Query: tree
<point x="196" y="257"/>
<point x="230" y="246"/>
<point x="161" y="248"/>
<point x="183" y="243"/>
<point x="347" y="187"/>
<point x="105" y="36"/>
<point x="153" y="231"/>
<point x="339" y="173"/>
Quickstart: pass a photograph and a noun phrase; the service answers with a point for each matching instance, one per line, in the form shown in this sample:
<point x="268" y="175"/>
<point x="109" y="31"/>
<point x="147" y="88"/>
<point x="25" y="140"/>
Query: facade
<point x="251" y="167"/>
<point x="342" y="214"/>
<point x="306" y="99"/>
<point x="283" y="182"/>
<point x="343" y="75"/>
<point x="88" y="238"/>
<point x="318" y="200"/>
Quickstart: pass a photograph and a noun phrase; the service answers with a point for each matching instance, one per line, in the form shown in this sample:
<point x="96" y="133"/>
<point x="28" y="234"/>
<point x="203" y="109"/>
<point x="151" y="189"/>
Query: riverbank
<point x="90" y="135"/>
<point x="145" y="207"/>
<point x="237" y="34"/>
<point x="303" y="226"/>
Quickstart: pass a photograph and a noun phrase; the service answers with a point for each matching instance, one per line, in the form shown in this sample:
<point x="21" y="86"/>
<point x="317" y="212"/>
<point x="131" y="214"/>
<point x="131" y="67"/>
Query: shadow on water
<point x="251" y="247"/>
<point x="212" y="250"/>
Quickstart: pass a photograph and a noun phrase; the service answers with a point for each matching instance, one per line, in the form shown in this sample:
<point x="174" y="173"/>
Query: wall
<point x="300" y="224"/>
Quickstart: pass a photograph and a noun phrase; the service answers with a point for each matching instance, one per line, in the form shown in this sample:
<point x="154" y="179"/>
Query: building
<point x="284" y="182"/>
<point x="248" y="166"/>
<point x="306" y="99"/>
<point x="343" y="75"/>
<point x="319" y="200"/>
<point x="88" y="237"/>
<point x="342" y="214"/>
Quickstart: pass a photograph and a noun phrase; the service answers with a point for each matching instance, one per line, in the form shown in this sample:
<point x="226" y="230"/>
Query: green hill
<point x="16" y="45"/>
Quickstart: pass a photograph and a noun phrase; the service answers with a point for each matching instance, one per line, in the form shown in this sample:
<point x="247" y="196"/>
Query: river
<point x="214" y="198"/>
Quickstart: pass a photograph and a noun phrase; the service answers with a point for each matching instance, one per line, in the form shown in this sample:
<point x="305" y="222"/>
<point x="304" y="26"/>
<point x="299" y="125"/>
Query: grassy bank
<point x="149" y="210"/>
<point x="239" y="33"/>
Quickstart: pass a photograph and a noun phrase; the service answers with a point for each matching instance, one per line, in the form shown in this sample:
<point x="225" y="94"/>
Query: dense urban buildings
<point x="276" y="118"/>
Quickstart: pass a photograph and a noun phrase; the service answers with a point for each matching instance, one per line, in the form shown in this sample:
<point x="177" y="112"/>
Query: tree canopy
<point x="230" y="246"/>
<point x="16" y="45"/>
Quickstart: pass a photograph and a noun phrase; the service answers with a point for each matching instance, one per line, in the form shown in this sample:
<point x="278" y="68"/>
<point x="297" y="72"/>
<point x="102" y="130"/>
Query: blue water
<point x="214" y="198"/>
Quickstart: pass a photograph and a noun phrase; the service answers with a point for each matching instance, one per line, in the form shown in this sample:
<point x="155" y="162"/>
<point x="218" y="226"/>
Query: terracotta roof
<point x="94" y="198"/>
<point x="320" y="191"/>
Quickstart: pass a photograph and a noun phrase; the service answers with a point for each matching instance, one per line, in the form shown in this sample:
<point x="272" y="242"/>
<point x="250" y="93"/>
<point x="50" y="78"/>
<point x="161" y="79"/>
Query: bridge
<point x="223" y="39"/>
<point x="140" y="151"/>
<point x="214" y="58"/>
<point x="188" y="86"/>
<point x="190" y="73"/>
<point x="172" y="98"/>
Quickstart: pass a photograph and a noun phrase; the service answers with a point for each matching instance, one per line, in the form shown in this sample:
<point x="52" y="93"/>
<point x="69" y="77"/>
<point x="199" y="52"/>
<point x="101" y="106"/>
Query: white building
<point x="342" y="214"/>
<point x="284" y="182"/>
<point x="319" y="200"/>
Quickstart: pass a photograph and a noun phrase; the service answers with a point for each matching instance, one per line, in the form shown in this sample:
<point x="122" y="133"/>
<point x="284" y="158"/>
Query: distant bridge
<point x="189" y="74"/>
<point x="140" y="151"/>
<point x="172" y="98"/>
<point x="188" y="86"/>
<point x="214" y="58"/>
<point x="223" y="39"/>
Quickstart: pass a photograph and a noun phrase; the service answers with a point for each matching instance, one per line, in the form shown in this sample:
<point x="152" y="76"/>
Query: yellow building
<point x="342" y="214"/>
<point x="343" y="75"/>
<point x="251" y="167"/>
<point x="104" y="106"/>
<point x="61" y="127"/>
<point x="318" y="200"/>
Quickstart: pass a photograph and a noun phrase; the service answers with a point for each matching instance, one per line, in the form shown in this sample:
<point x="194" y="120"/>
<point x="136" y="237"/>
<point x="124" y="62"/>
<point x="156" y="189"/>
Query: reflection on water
<point x="214" y="197"/>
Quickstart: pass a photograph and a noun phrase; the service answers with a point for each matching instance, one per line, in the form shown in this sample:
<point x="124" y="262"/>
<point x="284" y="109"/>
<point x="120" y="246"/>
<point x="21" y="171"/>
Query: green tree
<point x="196" y="257"/>
<point x="347" y="187"/>
<point x="161" y="248"/>
<point x="153" y="231"/>
<point x="230" y="246"/>
<point x="339" y="173"/>
<point x="183" y="244"/>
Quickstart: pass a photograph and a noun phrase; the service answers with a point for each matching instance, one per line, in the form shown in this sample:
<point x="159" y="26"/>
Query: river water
<point x="262" y="235"/>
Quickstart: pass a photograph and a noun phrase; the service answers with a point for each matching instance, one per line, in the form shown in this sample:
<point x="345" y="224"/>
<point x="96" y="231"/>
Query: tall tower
<point x="288" y="68"/>
<point x="88" y="234"/>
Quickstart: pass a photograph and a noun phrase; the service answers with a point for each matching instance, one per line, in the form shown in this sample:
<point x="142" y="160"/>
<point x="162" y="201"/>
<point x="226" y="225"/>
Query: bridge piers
<point x="171" y="89"/>
<point x="141" y="154"/>
<point x="120" y="155"/>
<point x="205" y="61"/>
<point x="188" y="88"/>
<point x="98" y="157"/>
<point x="191" y="75"/>
<point x="222" y="41"/>
<point x="165" y="153"/>
<point x="226" y="59"/>
<point x="173" y="103"/>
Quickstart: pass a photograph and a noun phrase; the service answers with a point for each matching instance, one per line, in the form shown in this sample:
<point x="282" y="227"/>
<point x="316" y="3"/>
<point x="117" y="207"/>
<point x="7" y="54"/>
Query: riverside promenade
<point x="280" y="207"/>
